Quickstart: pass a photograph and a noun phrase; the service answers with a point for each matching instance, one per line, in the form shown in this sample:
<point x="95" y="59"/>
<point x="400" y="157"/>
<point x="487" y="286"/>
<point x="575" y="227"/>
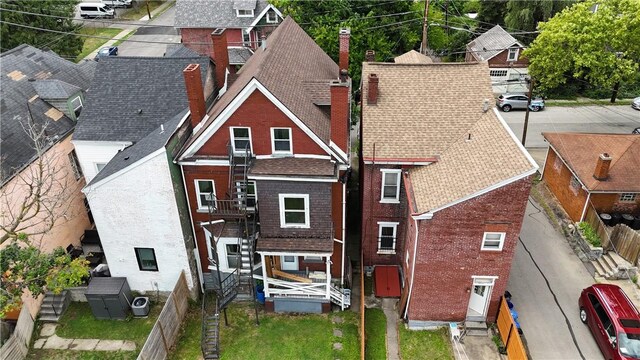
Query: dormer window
<point x="513" y="54"/>
<point x="244" y="13"/>
<point x="76" y="105"/>
<point x="272" y="17"/>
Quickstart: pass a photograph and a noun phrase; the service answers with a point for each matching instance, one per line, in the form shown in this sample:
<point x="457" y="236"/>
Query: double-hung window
<point x="281" y="141"/>
<point x="205" y="194"/>
<point x="390" y="192"/>
<point x="493" y="241"/>
<point x="146" y="259"/>
<point x="246" y="38"/>
<point x="76" y="105"/>
<point x="241" y="139"/>
<point x="387" y="233"/>
<point x="294" y="210"/>
<point x="513" y="54"/>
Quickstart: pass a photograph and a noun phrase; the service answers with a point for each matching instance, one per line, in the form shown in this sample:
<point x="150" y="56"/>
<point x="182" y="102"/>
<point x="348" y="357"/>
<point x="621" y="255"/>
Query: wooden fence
<point x="17" y="347"/>
<point x="600" y="228"/>
<point x="166" y="329"/>
<point x="626" y="242"/>
<point x="509" y="333"/>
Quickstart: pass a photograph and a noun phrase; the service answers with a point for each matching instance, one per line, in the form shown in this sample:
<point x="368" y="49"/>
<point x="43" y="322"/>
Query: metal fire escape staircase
<point x="226" y="287"/>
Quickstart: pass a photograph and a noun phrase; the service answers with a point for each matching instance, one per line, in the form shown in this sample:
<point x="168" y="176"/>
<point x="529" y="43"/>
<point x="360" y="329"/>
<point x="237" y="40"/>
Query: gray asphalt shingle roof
<point x="17" y="66"/>
<point x="55" y="89"/>
<point x="131" y="97"/>
<point x="215" y="13"/>
<point x="491" y="43"/>
<point x="239" y="56"/>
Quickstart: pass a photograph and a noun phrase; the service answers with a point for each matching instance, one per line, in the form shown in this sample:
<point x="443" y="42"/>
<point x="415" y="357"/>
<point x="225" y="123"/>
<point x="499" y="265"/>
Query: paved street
<point x="597" y="119"/>
<point x="542" y="319"/>
<point x="160" y="32"/>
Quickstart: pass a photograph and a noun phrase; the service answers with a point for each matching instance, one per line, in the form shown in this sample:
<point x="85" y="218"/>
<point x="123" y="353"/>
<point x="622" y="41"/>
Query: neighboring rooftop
<point x="55" y="89"/>
<point x="580" y="151"/>
<point x="435" y="113"/>
<point x="491" y="43"/>
<point x="292" y="166"/>
<point x="290" y="61"/>
<point x="412" y="57"/>
<point x="131" y="96"/>
<point x="216" y="13"/>
<point x="52" y="75"/>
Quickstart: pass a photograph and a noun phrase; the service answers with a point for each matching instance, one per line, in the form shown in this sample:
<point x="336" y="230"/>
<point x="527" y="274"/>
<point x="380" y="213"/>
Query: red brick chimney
<point x="195" y="93"/>
<point x="602" y="167"/>
<point x="345" y="35"/>
<point x="370" y="56"/>
<point x="340" y="111"/>
<point x="372" y="94"/>
<point x="220" y="55"/>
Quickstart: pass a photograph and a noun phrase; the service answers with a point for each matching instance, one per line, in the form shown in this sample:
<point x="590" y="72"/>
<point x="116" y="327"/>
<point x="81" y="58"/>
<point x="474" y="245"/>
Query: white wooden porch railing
<point x="277" y="287"/>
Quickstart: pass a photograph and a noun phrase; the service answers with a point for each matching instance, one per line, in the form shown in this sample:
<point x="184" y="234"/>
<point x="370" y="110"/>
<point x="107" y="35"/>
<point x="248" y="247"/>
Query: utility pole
<point x="149" y="13"/>
<point x="526" y="115"/>
<point x="423" y="46"/>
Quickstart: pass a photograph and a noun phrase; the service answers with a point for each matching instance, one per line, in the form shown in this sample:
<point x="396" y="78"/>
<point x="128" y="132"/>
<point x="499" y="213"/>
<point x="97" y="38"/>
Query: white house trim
<point x="273" y="141"/>
<point x="369" y="162"/>
<point x="116" y="174"/>
<point x="289" y="253"/>
<point x="235" y="104"/>
<point x="515" y="139"/>
<point x="262" y="13"/>
<point x="336" y="148"/>
<point x="205" y="162"/>
<point x="398" y="174"/>
<point x="307" y="211"/>
<point x="197" y="189"/>
<point x="233" y="139"/>
<point x="301" y="156"/>
<point x="285" y="178"/>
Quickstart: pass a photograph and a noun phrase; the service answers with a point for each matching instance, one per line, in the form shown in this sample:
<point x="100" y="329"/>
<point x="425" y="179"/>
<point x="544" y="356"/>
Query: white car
<point x="636" y="103"/>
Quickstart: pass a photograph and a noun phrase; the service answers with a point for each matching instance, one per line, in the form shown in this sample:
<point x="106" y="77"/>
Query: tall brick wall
<point x="557" y="176"/>
<point x="449" y="253"/>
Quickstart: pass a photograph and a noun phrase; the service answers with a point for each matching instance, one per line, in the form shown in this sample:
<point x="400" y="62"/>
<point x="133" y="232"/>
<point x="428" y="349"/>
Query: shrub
<point x="590" y="234"/>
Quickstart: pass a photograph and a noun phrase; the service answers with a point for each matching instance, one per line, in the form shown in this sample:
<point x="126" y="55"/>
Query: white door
<point x="480" y="296"/>
<point x="289" y="262"/>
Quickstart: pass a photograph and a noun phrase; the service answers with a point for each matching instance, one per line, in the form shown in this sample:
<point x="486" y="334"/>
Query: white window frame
<point x="99" y="166"/>
<point x="74" y="108"/>
<point x="385" y="173"/>
<point x="484" y="239"/>
<point x="628" y="197"/>
<point x="515" y="51"/>
<point x="386" y="224"/>
<point x="305" y="197"/>
<point x="233" y="139"/>
<point x="247" y="41"/>
<point x="275" y="17"/>
<point x="273" y="141"/>
<point x="244" y="15"/>
<point x="205" y="207"/>
<point x="254" y="195"/>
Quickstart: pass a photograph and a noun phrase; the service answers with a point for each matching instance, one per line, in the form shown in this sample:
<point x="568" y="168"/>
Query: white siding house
<point x="93" y="155"/>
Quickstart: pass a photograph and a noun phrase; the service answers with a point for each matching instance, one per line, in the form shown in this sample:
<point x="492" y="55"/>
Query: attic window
<point x="513" y="54"/>
<point x="76" y="105"/>
<point x="272" y="17"/>
<point x="244" y="13"/>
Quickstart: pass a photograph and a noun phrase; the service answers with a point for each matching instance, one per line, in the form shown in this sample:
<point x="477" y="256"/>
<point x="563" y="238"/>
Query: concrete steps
<point x="476" y="328"/>
<point x="612" y="266"/>
<point x="53" y="306"/>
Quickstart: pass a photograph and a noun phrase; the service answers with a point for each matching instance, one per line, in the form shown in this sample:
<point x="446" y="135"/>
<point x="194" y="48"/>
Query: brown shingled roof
<point x="581" y="151"/>
<point x="324" y="244"/>
<point x="412" y="57"/>
<point x="290" y="59"/>
<point x="292" y="166"/>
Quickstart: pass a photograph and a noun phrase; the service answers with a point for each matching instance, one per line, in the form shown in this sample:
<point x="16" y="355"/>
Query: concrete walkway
<point x="49" y="340"/>
<point x="391" y="313"/>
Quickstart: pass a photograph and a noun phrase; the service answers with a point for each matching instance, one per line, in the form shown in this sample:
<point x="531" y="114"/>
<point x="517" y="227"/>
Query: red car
<point x="613" y="319"/>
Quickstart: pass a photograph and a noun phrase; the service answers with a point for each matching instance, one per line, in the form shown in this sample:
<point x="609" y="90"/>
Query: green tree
<point x="525" y="15"/>
<point x="491" y="13"/>
<point x="600" y="47"/>
<point x="68" y="46"/>
<point x="28" y="268"/>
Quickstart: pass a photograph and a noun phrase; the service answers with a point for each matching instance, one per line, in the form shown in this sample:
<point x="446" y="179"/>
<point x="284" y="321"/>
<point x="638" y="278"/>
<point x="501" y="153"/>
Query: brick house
<point x="265" y="173"/>
<point x="445" y="186"/>
<point x="246" y="22"/>
<point x="507" y="67"/>
<point x="598" y="169"/>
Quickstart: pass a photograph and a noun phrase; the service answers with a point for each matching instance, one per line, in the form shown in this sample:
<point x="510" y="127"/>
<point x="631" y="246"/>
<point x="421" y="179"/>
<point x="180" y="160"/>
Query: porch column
<point x="328" y="294"/>
<point x="264" y="276"/>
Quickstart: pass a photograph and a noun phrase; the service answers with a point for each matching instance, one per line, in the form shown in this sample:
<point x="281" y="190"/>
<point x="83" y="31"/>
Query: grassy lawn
<point x="139" y="10"/>
<point x="376" y="334"/>
<point x="585" y="102"/>
<point x="424" y="344"/>
<point x="81" y="355"/>
<point x="278" y="336"/>
<point x="91" y="44"/>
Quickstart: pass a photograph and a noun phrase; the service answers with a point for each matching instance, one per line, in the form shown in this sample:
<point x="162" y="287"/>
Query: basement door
<point x="289" y="262"/>
<point x="480" y="295"/>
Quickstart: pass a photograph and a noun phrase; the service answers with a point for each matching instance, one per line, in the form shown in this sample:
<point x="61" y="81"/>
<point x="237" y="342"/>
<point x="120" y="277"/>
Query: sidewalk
<point x="49" y="340"/>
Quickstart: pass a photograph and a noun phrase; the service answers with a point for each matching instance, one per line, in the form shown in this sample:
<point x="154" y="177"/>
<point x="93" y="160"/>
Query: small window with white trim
<point x="513" y="54"/>
<point x="281" y="141"/>
<point x="100" y="166"/>
<point x="246" y="38"/>
<point x="272" y="17"/>
<point x="493" y="241"/>
<point x="241" y="139"/>
<point x="76" y="105"/>
<point x="628" y="197"/>
<point x="294" y="210"/>
<point x="205" y="194"/>
<point x="390" y="192"/>
<point x="387" y="232"/>
<point x="244" y="13"/>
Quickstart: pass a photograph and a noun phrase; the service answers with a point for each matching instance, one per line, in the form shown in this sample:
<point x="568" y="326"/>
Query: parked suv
<point x="613" y="320"/>
<point x="508" y="101"/>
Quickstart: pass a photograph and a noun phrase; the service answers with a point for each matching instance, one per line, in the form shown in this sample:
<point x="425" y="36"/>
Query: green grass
<point x="423" y="344"/>
<point x="78" y="322"/>
<point x="81" y="355"/>
<point x="368" y="285"/>
<point x="90" y="44"/>
<point x="375" y="324"/>
<point x="585" y="101"/>
<point x="139" y="10"/>
<point x="278" y="336"/>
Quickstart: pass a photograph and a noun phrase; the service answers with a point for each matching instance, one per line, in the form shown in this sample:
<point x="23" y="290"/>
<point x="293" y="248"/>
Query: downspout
<point x="193" y="230"/>
<point x="344" y="231"/>
<point x="586" y="203"/>
<point x="413" y="269"/>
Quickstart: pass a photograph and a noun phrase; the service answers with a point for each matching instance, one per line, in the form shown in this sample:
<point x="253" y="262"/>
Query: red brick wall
<point x="449" y="253"/>
<point x="260" y="114"/>
<point x="373" y="211"/>
<point x="557" y="176"/>
<point x="609" y="203"/>
<point x="199" y="40"/>
<point x="500" y="60"/>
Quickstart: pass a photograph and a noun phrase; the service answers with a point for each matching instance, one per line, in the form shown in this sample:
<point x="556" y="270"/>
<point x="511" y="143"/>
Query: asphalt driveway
<point x="546" y="281"/>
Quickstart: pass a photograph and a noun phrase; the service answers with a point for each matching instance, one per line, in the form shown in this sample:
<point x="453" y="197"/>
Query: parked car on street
<point x="636" y="103"/>
<point x="106" y="51"/>
<point x="508" y="101"/>
<point x="613" y="320"/>
<point x="636" y="131"/>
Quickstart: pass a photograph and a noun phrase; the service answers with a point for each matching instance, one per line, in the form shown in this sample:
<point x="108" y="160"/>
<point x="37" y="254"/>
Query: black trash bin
<point x="627" y="219"/>
<point x="636" y="223"/>
<point x="615" y="219"/>
<point x="606" y="219"/>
